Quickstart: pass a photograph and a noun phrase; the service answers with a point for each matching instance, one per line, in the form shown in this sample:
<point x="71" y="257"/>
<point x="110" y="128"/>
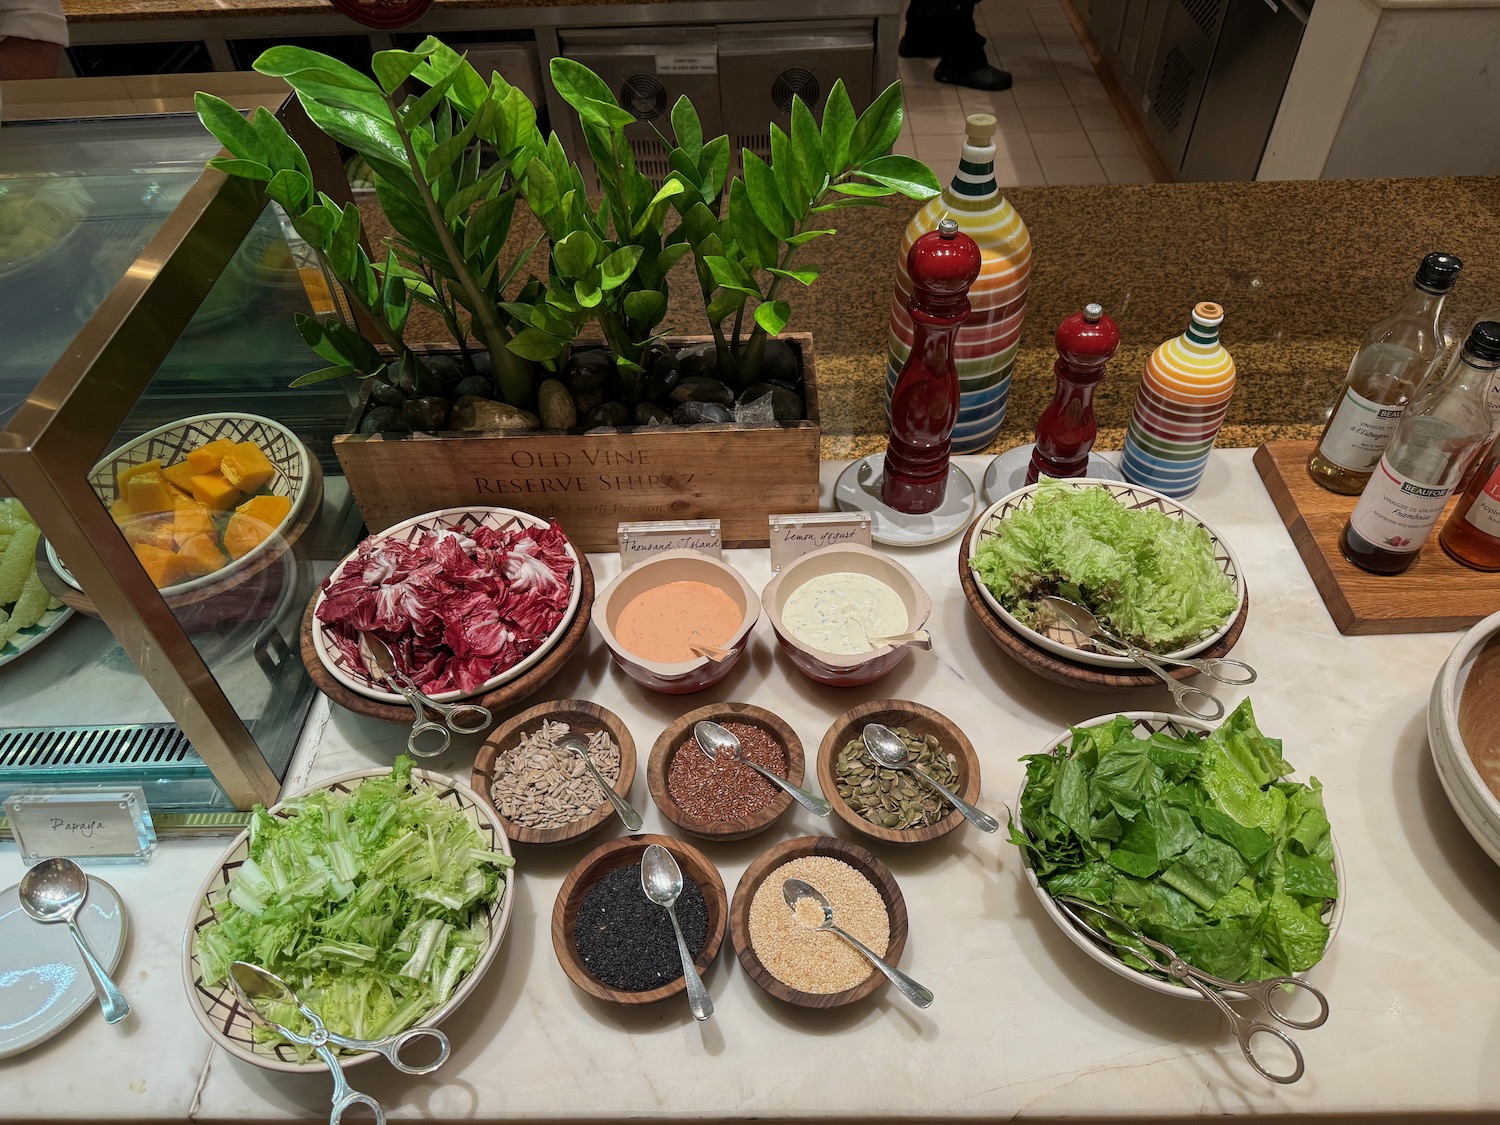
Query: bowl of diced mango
<point x="203" y="498"/>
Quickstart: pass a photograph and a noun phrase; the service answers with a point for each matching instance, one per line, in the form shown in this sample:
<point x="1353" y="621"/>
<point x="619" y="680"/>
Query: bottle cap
<point x="947" y="228"/>
<point x="1208" y="314"/>
<point x="1484" y="341"/>
<point x="1092" y="312"/>
<point x="1438" y="273"/>
<point x="980" y="128"/>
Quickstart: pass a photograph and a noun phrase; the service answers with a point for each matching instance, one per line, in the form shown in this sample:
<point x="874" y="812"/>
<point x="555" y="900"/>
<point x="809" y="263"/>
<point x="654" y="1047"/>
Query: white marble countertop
<point x="1023" y="1024"/>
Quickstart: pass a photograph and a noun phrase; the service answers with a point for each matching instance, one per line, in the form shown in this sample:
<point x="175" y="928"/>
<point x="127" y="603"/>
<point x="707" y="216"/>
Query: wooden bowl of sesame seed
<point x="546" y="796"/>
<point x="845" y="873"/>
<point x="923" y="723"/>
<point x="724" y="800"/>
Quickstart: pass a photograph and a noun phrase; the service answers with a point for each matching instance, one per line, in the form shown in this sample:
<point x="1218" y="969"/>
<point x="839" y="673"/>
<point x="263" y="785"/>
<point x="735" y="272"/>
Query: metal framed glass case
<point x="146" y="321"/>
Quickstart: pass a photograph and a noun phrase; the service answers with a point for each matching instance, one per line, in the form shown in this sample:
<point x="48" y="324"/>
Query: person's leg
<point x="945" y="29"/>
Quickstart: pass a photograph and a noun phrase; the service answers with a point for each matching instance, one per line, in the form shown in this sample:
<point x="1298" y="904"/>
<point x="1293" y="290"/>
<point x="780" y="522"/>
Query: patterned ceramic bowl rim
<point x="1149" y="722"/>
<point x="216" y="1007"/>
<point x="291" y="476"/>
<point x="1136" y="497"/>
<point x="498" y="518"/>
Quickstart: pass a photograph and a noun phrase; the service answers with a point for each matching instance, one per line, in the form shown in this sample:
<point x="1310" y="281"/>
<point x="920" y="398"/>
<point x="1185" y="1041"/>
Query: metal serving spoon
<point x="886" y="748"/>
<point x="714" y="740"/>
<point x="917" y="638"/>
<point x="623" y="808"/>
<point x="661" y="879"/>
<point x="1235" y="672"/>
<point x="795" y="890"/>
<point x="55" y="891"/>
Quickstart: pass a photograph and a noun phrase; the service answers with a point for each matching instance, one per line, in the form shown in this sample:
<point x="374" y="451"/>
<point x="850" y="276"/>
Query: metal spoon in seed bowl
<point x="714" y="740"/>
<point x="661" y="879"/>
<point x="623" y="808"/>
<point x="886" y="749"/>
<point x="795" y="890"/>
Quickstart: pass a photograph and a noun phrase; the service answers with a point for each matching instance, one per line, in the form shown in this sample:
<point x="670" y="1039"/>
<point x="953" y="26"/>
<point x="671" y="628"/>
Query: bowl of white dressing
<point x="830" y="608"/>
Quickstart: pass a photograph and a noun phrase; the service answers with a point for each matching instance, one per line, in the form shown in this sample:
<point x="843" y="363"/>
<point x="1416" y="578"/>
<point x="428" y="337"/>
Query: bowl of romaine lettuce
<point x="380" y="896"/>
<point x="1150" y="569"/>
<point x="1193" y="834"/>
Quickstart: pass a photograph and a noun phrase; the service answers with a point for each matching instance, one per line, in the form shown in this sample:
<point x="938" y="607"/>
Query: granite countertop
<point x="99" y="11"/>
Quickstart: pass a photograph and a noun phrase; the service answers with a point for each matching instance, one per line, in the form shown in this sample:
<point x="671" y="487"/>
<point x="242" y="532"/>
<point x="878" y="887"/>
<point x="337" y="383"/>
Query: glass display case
<point x="186" y="499"/>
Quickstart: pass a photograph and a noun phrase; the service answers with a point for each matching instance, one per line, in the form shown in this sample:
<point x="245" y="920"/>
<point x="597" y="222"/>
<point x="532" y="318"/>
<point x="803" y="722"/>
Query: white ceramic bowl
<point x="170" y="443"/>
<point x="1473" y="800"/>
<point x="1146" y="723"/>
<point x="217" y="1008"/>
<point x="356" y="679"/>
<point x="1071" y="645"/>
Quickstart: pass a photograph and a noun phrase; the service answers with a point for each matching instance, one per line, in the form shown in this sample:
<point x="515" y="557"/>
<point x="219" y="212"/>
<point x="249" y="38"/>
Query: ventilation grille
<point x="643" y="96"/>
<point x="796" y="82"/>
<point x="650" y="157"/>
<point x="1204" y="13"/>
<point x="758" y="143"/>
<point x="159" y="745"/>
<point x="1172" y="89"/>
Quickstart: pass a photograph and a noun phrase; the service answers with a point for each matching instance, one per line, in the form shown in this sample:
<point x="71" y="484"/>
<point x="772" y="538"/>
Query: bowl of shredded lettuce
<point x="1193" y="834"/>
<point x="1148" y="568"/>
<point x="380" y="896"/>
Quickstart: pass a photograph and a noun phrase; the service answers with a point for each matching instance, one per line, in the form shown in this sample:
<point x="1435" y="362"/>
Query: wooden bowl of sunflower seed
<point x="543" y="793"/>
<point x="889" y="805"/>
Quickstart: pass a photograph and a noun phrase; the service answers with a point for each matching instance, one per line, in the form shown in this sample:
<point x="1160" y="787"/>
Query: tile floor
<point x="1057" y="125"/>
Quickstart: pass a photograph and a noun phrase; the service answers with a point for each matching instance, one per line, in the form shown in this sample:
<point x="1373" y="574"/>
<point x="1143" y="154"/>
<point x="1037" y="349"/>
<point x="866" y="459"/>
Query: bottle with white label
<point x="1395" y="358"/>
<point x="1446" y="424"/>
<point x="1472" y="534"/>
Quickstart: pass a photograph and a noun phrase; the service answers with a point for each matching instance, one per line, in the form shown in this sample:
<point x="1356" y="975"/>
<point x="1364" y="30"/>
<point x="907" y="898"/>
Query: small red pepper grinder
<point x="1065" y="432"/>
<point x="942" y="265"/>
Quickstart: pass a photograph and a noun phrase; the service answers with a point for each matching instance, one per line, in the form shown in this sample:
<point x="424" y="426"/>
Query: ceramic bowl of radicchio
<point x="467" y="598"/>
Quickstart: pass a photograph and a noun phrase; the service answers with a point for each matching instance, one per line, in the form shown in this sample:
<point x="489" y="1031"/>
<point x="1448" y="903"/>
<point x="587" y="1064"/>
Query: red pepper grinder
<point x="1065" y="432"/>
<point x="942" y="265"/>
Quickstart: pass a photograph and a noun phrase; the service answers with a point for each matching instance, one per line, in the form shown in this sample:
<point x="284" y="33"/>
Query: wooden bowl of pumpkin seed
<point x="893" y="806"/>
<point x="543" y="793"/>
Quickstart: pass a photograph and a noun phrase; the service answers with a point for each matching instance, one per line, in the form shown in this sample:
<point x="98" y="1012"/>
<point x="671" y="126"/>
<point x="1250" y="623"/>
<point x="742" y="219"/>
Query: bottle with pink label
<point x="1180" y="406"/>
<point x="1444" y="427"/>
<point x="1472" y="534"/>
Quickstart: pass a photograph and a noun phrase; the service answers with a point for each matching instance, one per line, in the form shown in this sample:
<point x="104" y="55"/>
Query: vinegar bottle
<point x="985" y="352"/>
<point x="1444" y="427"/>
<point x="1396" y="357"/>
<point x="1472" y="534"/>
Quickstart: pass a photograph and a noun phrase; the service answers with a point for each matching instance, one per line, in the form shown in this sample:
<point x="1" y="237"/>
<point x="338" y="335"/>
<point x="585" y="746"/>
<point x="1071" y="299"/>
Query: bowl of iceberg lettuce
<point x="1194" y="834"/>
<point x="380" y="896"/>
<point x="1150" y="569"/>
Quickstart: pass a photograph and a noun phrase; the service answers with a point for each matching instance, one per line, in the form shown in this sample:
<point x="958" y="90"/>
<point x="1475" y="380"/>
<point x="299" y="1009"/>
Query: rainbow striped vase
<point x="1179" y="407"/>
<point x="985" y="350"/>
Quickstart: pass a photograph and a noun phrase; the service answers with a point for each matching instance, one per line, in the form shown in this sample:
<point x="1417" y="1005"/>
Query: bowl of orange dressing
<point x="652" y="614"/>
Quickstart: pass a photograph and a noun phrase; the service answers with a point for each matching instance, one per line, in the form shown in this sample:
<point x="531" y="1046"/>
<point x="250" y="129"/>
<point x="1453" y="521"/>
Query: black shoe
<point x="909" y="50"/>
<point x="980" y="78"/>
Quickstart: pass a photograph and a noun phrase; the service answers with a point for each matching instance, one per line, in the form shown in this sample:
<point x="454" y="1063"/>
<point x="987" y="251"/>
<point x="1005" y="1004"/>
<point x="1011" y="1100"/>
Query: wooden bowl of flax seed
<point x="803" y="966"/>
<point x="543" y="794"/>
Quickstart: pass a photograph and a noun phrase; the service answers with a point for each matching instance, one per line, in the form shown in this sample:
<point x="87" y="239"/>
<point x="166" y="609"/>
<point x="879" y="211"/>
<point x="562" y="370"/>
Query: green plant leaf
<point x="838" y="203"/>
<point x="687" y="128"/>
<point x="731" y="275"/>
<point x="651" y="216"/>
<point x="910" y="177"/>
<point x="244" y="169"/>
<point x="807" y="275"/>
<point x="395" y="299"/>
<point x="466" y="198"/>
<point x="316" y="225"/>
<point x="724" y="304"/>
<point x="807" y="150"/>
<point x="773" y="315"/>
<point x="300" y="63"/>
<point x="411" y="222"/>
<point x="290" y="189"/>
<point x="281" y="150"/>
<point x="577" y="253"/>
<point x="647" y="306"/>
<point x="490" y="222"/>
<point x="715" y="167"/>
<point x="341" y="250"/>
<point x="758" y="245"/>
<point x="360" y="353"/>
<point x="443" y="154"/>
<point x="788" y="179"/>
<point x="838" y="128"/>
<point x="587" y="293"/>
<point x="540" y="189"/>
<point x="394" y="67"/>
<point x="616" y="269"/>
<point x="765" y="197"/>
<point x="670" y="256"/>
<point x="229" y="127"/>
<point x="699" y="223"/>
<point x="586" y="92"/>
<point x="877" y="127"/>
<point x="322" y="375"/>
<point x="534" y="344"/>
<point x="807" y="236"/>
<point x="420" y="109"/>
<point x="863" y="190"/>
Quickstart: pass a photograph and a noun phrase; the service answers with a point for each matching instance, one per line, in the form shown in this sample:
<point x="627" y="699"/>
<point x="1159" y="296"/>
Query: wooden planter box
<point x="592" y="480"/>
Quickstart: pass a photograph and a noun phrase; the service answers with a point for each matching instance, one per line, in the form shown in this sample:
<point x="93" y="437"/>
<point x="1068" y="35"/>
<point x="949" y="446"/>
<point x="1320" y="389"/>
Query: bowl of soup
<point x="830" y="608"/>
<point x="677" y="622"/>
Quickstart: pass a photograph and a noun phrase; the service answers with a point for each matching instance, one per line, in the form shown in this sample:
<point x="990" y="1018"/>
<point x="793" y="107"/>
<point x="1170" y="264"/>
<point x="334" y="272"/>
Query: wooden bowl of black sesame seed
<point x="545" y="795"/>
<point x="891" y="806"/>
<point x="617" y="945"/>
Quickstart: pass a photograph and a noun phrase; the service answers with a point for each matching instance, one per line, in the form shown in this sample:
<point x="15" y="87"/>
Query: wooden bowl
<point x="583" y="719"/>
<point x="598" y="863"/>
<point x="856" y="857"/>
<point x="919" y="720"/>
<point x="680" y="732"/>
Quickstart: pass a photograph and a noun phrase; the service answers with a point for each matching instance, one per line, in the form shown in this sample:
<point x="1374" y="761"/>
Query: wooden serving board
<point x="1436" y="595"/>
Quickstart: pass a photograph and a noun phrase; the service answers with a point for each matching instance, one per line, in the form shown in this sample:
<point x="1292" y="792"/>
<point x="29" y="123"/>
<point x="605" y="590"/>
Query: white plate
<point x="34" y="635"/>
<point x="1072" y="645"/>
<point x="1146" y="723"/>
<point x="43" y="983"/>
<point x="459" y="519"/>
<point x="216" y="1007"/>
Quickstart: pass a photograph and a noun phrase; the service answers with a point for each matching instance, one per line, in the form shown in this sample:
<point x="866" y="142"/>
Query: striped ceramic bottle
<point x="1179" y="407"/>
<point x="985" y="351"/>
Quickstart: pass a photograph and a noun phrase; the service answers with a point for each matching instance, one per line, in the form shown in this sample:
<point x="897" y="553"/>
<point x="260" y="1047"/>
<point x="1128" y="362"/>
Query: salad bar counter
<point x="521" y="927"/>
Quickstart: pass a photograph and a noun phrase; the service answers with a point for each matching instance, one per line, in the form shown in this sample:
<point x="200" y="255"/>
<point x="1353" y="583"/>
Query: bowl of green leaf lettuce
<point x="380" y="896"/>
<point x="1193" y="834"/>
<point x="1151" y="570"/>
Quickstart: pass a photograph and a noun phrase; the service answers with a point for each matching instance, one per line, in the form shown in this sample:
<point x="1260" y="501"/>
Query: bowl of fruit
<point x="205" y="501"/>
